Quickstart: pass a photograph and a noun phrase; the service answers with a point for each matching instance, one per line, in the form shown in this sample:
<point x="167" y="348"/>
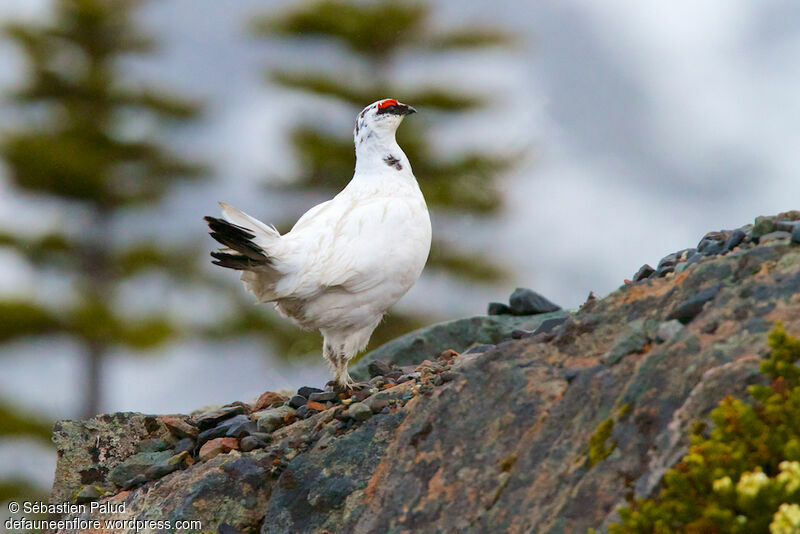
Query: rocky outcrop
<point x="542" y="423"/>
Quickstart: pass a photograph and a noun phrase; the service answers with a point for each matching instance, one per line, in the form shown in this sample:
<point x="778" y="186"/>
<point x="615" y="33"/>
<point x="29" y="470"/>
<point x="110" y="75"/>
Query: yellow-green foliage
<point x="597" y="443"/>
<point x="745" y="478"/>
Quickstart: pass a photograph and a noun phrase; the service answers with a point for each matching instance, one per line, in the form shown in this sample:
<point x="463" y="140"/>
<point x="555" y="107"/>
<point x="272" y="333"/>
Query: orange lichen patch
<point x="765" y="269"/>
<point x="656" y="288"/>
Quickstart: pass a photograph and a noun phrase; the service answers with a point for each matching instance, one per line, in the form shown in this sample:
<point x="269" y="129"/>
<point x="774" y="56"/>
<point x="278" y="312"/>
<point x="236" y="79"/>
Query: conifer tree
<point x="75" y="144"/>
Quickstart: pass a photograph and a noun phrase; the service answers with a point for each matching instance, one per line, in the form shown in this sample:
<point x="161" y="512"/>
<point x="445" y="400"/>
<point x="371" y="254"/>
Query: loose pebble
<point x="217" y="446"/>
<point x="379" y="368"/>
<point x="268" y="399"/>
<point x="297" y="401"/>
<point x="179" y="427"/>
<point x="323" y="396"/>
<point x="359" y="411"/>
<point x="315" y="406"/>
<point x="307" y="391"/>
<point x="645" y="271"/>
<point x="525" y="301"/>
<point x="251" y="443"/>
<point x="275" y="418"/>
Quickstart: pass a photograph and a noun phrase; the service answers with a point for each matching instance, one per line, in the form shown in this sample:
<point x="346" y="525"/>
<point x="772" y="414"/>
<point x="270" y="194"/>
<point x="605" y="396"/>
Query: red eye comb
<point x="386" y="103"/>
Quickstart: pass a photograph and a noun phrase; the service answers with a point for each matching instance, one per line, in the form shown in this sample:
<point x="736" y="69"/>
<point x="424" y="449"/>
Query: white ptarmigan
<point x="347" y="260"/>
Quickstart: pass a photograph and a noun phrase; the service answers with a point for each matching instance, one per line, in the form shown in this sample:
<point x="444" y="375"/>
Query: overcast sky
<point x="648" y="124"/>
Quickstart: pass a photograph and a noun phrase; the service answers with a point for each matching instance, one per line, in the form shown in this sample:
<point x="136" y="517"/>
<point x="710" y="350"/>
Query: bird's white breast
<point x="356" y="254"/>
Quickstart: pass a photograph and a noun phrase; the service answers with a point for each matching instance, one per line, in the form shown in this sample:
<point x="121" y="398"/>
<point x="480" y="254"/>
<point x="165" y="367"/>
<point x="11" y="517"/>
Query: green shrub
<point x="744" y="478"/>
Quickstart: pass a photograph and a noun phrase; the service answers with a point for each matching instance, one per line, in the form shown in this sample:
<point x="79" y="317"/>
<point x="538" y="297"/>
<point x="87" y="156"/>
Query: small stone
<point x="251" y="443"/>
<point x="446" y="356"/>
<point x="667" y="330"/>
<point x="217" y="446"/>
<point x="178" y="459"/>
<point x="479" y="349"/>
<point x="297" y="401"/>
<point x="134" y="482"/>
<point x="645" y="271"/>
<point x="735" y="239"/>
<point x="302" y="412"/>
<point x="361" y="394"/>
<point x="306" y="391"/>
<point x="379" y="368"/>
<point x="275" y="418"/>
<point x="88" y="494"/>
<point x="549" y="325"/>
<point x="428" y="367"/>
<point x="777" y="238"/>
<point x="377" y="381"/>
<point x="693" y="306"/>
<point x="179" y="427"/>
<point x="186" y="444"/>
<point x="796" y="234"/>
<point x="713" y="248"/>
<point x="709" y="328"/>
<point x="664" y="271"/>
<point x="668" y="261"/>
<point x="376" y="404"/>
<point x="212" y="419"/>
<point x="161" y="470"/>
<point x="315" y="406"/>
<point x="235" y="427"/>
<point x="786" y="226"/>
<point x="528" y="302"/>
<point x="269" y="399"/>
<point x="359" y="411"/>
<point x="762" y="226"/>
<point x="498" y="308"/>
<point x="323" y="396"/>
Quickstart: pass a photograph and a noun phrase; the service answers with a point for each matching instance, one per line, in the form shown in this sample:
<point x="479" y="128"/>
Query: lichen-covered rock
<point x="459" y="335"/>
<point x="547" y="433"/>
<point x="89" y="450"/>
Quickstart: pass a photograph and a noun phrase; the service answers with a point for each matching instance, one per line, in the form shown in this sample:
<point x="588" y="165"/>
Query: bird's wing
<point x="347" y="243"/>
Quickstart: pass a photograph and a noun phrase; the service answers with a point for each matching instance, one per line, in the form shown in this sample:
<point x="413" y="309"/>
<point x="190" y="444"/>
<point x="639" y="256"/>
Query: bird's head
<point x="381" y="119"/>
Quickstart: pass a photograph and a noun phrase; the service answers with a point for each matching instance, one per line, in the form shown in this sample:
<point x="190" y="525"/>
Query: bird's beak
<point x="404" y="109"/>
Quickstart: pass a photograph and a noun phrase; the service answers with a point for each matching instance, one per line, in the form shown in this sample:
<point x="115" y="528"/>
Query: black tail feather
<point x="239" y="239"/>
<point x="235" y="261"/>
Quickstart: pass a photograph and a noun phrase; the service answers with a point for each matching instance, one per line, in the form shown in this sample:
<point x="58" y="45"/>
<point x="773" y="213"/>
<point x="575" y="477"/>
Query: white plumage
<point x="347" y="260"/>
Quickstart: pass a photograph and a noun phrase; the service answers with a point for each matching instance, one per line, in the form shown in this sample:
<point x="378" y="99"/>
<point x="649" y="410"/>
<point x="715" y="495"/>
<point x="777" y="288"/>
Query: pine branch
<point x="15" y="422"/>
<point x="364" y="93"/>
<point x="374" y="29"/>
<point x="23" y="319"/>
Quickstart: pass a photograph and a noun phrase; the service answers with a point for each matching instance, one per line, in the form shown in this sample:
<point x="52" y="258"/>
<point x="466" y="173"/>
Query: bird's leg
<point x="338" y="364"/>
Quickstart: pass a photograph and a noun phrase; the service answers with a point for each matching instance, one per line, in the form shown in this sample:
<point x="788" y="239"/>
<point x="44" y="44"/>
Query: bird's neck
<point x="380" y="153"/>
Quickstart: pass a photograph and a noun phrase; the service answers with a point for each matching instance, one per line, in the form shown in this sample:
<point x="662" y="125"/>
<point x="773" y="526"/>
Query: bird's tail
<point x="245" y="239"/>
